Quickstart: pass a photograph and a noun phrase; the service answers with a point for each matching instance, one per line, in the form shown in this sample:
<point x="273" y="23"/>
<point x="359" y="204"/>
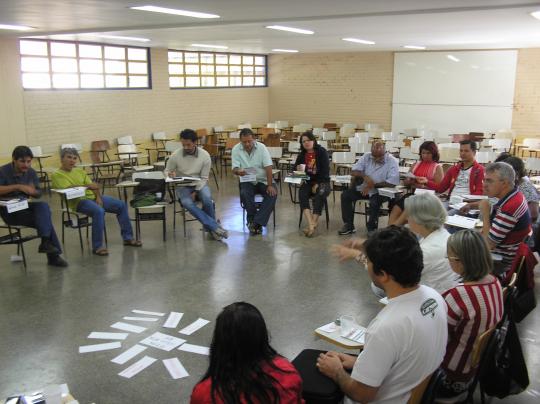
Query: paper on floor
<point x="150" y="313"/>
<point x="99" y="347"/>
<point x="128" y="327"/>
<point x="162" y="341"/>
<point x="127" y="355"/>
<point x="203" y="350"/>
<point x="175" y="368"/>
<point x="108" y="335"/>
<point x="138" y="366"/>
<point x="140" y="318"/>
<point x="173" y="320"/>
<point x="190" y="329"/>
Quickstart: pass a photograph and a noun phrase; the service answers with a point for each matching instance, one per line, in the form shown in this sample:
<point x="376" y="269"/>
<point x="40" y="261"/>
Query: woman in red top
<point x="427" y="167"/>
<point x="244" y="368"/>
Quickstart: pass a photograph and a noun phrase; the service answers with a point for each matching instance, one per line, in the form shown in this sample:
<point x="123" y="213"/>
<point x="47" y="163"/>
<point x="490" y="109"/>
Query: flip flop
<point x="133" y="243"/>
<point x="101" y="252"/>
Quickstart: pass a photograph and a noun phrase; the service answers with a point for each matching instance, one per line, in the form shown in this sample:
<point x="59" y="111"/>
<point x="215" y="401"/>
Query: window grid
<point x="131" y="81"/>
<point x="238" y="70"/>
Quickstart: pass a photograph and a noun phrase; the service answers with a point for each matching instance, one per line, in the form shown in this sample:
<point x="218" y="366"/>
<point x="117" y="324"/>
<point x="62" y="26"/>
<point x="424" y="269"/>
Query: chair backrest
<point x="418" y="392"/>
<point x="485" y="157"/>
<point x="330" y="135"/>
<point x="266" y="131"/>
<point x="410" y="132"/>
<point x="275" y="152"/>
<point x="231" y="142"/>
<point x="246" y="125"/>
<point x="370" y="126"/>
<point x="532" y="165"/>
<point x="153" y="175"/>
<point x="36" y="150"/>
<point x="273" y="140"/>
<point x="346" y="131"/>
<point x="97" y="150"/>
<point x="393" y="146"/>
<point x="127" y="148"/>
<point x="159" y="136"/>
<point x="234" y="135"/>
<point x="282" y="124"/>
<point x="294" y="147"/>
<point x="271" y="125"/>
<point x="531" y="142"/>
<point x="201" y="132"/>
<point x="505" y="134"/>
<point x="124" y="140"/>
<point x="407" y="154"/>
<point x="416" y="143"/>
<point x="449" y="154"/>
<point x="363" y="136"/>
<point x="323" y="143"/>
<point x="212" y="149"/>
<point x="343" y="158"/>
<point x="349" y="125"/>
<point x="389" y="136"/>
<point x="480" y="345"/>
<point x="297" y="128"/>
<point x="318" y="131"/>
<point x="500" y="144"/>
<point x="76" y="146"/>
<point x="172" y="146"/>
<point x="330" y="125"/>
<point x="218" y="129"/>
<point x="360" y="148"/>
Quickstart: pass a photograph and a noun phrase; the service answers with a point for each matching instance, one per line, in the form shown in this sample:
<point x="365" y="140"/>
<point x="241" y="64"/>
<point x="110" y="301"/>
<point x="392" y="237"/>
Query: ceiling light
<point x="175" y="11"/>
<point x="414" y="47"/>
<point x="452" y="58"/>
<point x="356" y="40"/>
<point x="536" y="14"/>
<point x="201" y="45"/>
<point x="123" y="38"/>
<point x="285" y="50"/>
<point x="291" y="29"/>
<point x="16" y="27"/>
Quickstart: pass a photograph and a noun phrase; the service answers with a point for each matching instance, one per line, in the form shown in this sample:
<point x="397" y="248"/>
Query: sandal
<point x="133" y="243"/>
<point x="101" y="252"/>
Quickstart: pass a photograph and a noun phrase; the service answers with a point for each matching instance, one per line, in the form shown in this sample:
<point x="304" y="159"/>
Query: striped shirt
<point x="510" y="224"/>
<point x="472" y="309"/>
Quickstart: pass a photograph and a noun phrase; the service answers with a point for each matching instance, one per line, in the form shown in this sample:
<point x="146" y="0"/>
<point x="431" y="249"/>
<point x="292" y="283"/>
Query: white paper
<point x="293" y="180"/>
<point x="99" y="347"/>
<point x="127" y="355"/>
<point x="162" y="341"/>
<point x="190" y="329"/>
<point x="138" y="366"/>
<point x="357" y="334"/>
<point x="72" y="193"/>
<point x="108" y="335"/>
<point x="175" y="368"/>
<point x="248" y="178"/>
<point x="330" y="327"/>
<point x="384" y="301"/>
<point x="198" y="349"/>
<point x="342" y="179"/>
<point x="150" y="313"/>
<point x="419" y="191"/>
<point x="15" y="205"/>
<point x="173" y="320"/>
<point x="461" y="221"/>
<point x="140" y="318"/>
<point x="389" y="192"/>
<point x="474" y="197"/>
<point x="128" y="327"/>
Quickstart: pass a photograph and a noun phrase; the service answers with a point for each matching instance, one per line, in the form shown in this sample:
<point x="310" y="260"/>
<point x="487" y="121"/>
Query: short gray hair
<point x="506" y="171"/>
<point x="69" y="150"/>
<point x="471" y="248"/>
<point x="427" y="210"/>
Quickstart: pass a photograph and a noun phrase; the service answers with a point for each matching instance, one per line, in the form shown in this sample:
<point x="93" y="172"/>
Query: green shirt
<point x="77" y="177"/>
<point x="259" y="158"/>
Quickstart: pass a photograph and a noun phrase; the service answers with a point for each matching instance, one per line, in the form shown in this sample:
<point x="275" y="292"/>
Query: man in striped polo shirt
<point x="508" y="222"/>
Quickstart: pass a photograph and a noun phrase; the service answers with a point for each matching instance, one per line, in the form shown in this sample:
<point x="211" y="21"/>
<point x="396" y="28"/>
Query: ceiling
<point x="436" y="24"/>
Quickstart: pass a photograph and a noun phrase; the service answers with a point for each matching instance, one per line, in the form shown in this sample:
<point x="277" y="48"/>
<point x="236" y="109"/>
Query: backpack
<point x="148" y="192"/>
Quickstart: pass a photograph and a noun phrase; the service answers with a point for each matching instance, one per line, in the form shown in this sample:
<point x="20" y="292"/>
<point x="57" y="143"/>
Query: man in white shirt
<point x="406" y="342"/>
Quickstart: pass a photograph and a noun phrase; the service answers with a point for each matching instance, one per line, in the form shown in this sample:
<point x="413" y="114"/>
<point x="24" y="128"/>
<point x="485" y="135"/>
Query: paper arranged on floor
<point x="127" y="355"/>
<point x="138" y="366"/>
<point x="330" y="327"/>
<point x="190" y="329"/>
<point x="128" y="327"/>
<point x="461" y="221"/>
<point x="140" y="318"/>
<point x="100" y="347"/>
<point x="162" y="341"/>
<point x="149" y="313"/>
<point x="173" y="320"/>
<point x="175" y="368"/>
<point x="198" y="349"/>
<point x="108" y="335"/>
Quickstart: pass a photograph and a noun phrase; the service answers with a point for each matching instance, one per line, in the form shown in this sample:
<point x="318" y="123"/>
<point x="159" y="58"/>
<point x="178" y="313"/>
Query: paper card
<point x="419" y="191"/>
<point x="138" y="366"/>
<point x="15" y="205"/>
<point x="127" y="355"/>
<point x="173" y="320"/>
<point x="343" y="179"/>
<point x="108" y="335"/>
<point x="330" y="327"/>
<point x="190" y="329"/>
<point x="461" y="221"/>
<point x="100" y="347"/>
<point x="357" y="334"/>
<point x="140" y="318"/>
<point x="128" y="327"/>
<point x="163" y="341"/>
<point x="175" y="368"/>
<point x="248" y="178"/>
<point x="198" y="349"/>
<point x="293" y="180"/>
<point x="149" y="313"/>
<point x="474" y="197"/>
<point x="77" y="192"/>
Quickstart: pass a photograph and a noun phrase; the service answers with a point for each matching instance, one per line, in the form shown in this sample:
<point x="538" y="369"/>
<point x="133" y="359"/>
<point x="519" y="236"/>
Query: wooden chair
<point x="226" y="158"/>
<point x="426" y="391"/>
<point x="273" y="140"/>
<point x="202" y="134"/>
<point x="213" y="151"/>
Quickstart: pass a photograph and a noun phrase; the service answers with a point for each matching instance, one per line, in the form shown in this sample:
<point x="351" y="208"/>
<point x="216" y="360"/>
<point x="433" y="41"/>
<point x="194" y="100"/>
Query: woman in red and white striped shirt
<point x="474" y="306"/>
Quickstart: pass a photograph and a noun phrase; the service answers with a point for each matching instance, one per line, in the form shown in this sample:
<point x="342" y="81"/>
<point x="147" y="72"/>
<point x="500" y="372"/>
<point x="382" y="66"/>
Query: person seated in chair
<point x="93" y="204"/>
<point x="251" y="157"/>
<point x="406" y="342"/>
<point x="19" y="180"/>
<point x="194" y="161"/>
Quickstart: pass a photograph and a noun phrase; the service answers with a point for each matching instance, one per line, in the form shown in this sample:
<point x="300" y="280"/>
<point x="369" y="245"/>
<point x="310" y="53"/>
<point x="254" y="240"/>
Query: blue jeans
<point x="247" y="196"/>
<point x="97" y="213"/>
<point x="206" y="215"/>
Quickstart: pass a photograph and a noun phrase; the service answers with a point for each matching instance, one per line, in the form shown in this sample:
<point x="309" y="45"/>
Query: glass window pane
<point x="89" y="51"/>
<point x="176" y="69"/>
<point x="176" y="82"/>
<point x="138" y="81"/>
<point x="207" y="69"/>
<point x="115" y="67"/>
<point x="175" y="57"/>
<point x="193" y="82"/>
<point x="222" y="70"/>
<point x="247" y="60"/>
<point x="259" y="60"/>
<point x="30" y="64"/>
<point x="208" y="81"/>
<point x="248" y="70"/>
<point x="248" y="81"/>
<point x="36" y="80"/>
<point x="137" y="54"/>
<point x="222" y="81"/>
<point x="260" y="71"/>
<point x="115" y="52"/>
<point x="207" y="58"/>
<point x="37" y="48"/>
<point x="64" y="65"/>
<point x="92" y="81"/>
<point x="235" y="59"/>
<point x="222" y="59"/>
<point x="65" y="81"/>
<point x="192" y="69"/>
<point x="63" y="49"/>
<point x="191" y="57"/>
<point x="260" y="81"/>
<point x="235" y="81"/>
<point x="115" y="81"/>
<point x="90" y="66"/>
<point x="137" y="68"/>
<point x="236" y="70"/>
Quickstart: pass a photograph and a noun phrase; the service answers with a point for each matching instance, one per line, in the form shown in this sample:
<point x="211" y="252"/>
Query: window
<point x="189" y="69"/>
<point x="73" y="65"/>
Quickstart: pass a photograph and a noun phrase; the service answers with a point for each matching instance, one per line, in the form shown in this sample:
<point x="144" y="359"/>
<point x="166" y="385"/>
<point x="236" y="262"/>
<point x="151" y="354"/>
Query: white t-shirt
<point x="404" y="344"/>
<point x="461" y="186"/>
<point x="437" y="273"/>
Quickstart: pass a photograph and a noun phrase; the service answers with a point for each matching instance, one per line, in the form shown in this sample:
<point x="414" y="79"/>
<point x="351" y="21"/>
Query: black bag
<point x="148" y="192"/>
<point x="524" y="299"/>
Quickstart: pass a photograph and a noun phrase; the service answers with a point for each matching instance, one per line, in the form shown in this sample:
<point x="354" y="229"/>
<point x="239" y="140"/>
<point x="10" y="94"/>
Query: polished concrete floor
<point x="47" y="313"/>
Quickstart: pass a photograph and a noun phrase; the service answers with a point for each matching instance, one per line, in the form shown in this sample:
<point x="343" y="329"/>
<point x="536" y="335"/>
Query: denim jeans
<point x="206" y="215"/>
<point x="97" y="213"/>
<point x="349" y="197"/>
<point x="247" y="196"/>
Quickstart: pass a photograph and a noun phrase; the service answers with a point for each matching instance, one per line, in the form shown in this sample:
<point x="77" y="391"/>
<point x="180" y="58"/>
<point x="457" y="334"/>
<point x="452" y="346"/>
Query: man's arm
<point x="485" y="211"/>
<point x="170" y="167"/>
<point x="270" y="190"/>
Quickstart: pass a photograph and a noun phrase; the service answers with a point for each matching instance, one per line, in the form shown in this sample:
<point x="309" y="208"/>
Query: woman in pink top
<point x="428" y="166"/>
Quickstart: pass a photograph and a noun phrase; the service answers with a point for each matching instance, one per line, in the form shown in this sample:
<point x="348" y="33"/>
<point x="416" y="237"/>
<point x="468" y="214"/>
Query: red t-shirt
<point x="311" y="163"/>
<point x="289" y="388"/>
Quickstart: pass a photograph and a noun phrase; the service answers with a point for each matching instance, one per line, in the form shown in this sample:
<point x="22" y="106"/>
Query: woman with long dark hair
<point x="244" y="368"/>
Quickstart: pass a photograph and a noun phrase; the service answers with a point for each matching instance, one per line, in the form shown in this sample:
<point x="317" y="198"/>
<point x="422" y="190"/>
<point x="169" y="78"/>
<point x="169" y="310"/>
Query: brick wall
<point x="526" y="116"/>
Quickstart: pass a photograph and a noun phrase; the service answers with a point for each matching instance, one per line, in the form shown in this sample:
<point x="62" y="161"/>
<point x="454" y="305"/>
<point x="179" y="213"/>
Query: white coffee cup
<point x="301" y="167"/>
<point x="347" y="324"/>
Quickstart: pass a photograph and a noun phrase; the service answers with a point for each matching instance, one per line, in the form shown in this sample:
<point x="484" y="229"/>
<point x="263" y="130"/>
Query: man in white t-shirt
<point x="406" y="342"/>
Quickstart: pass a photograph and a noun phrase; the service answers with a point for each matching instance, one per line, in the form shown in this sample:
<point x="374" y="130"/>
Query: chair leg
<point x="215" y="178"/>
<point x="164" y="227"/>
<point x="327" y="214"/>
<point x="80" y="237"/>
<point x="22" y="254"/>
<point x="184" y="220"/>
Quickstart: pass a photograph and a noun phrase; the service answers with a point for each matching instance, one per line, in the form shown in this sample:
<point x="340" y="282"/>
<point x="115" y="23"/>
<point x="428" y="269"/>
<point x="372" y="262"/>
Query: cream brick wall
<point x="526" y="116"/>
<point x="332" y="87"/>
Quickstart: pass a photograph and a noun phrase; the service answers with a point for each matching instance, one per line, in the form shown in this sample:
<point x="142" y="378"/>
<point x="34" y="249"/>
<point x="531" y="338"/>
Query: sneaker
<point x="47" y="247"/>
<point x="346" y="229"/>
<point x="57" y="261"/>
<point x="222" y="232"/>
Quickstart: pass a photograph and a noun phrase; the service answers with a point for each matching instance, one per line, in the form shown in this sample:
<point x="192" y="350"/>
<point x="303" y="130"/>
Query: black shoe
<point x="57" y="261"/>
<point x="254" y="229"/>
<point x="47" y="247"/>
<point x="346" y="229"/>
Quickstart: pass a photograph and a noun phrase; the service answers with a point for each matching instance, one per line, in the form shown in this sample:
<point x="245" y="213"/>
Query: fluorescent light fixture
<point x="356" y="40"/>
<point x="174" y="11"/>
<point x="201" y="45"/>
<point x="414" y="47"/>
<point x="285" y="50"/>
<point x="291" y="29"/>
<point x="123" y="38"/>
<point x="452" y="58"/>
<point x="16" y="27"/>
<point x="536" y="14"/>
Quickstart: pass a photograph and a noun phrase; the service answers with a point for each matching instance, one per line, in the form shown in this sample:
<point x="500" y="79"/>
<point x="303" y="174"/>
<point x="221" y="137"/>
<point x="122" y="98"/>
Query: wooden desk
<point x="335" y="338"/>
